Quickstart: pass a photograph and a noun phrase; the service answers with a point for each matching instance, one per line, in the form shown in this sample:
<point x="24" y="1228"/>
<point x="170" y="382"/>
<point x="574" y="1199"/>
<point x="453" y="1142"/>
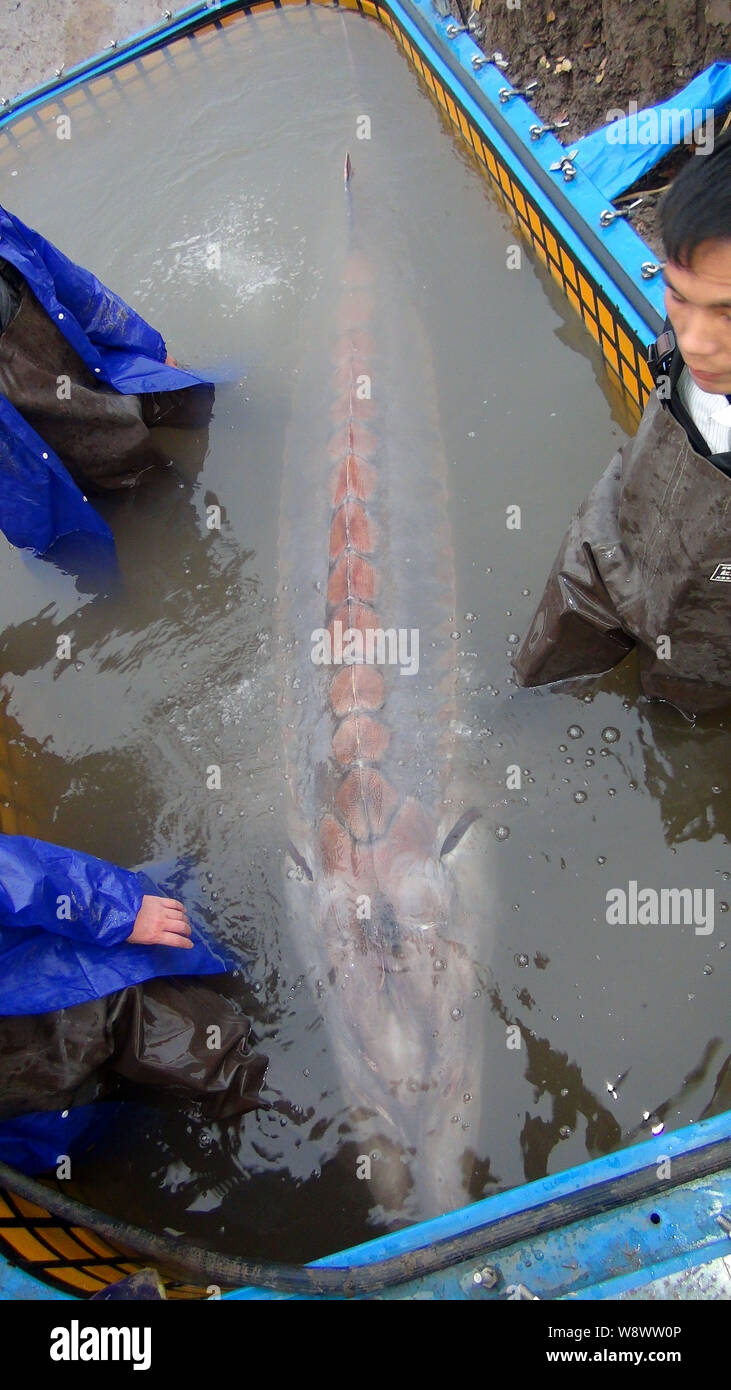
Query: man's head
<point x="696" y="229"/>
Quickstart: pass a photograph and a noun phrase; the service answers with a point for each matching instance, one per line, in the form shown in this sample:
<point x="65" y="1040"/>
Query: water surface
<point x="206" y="188"/>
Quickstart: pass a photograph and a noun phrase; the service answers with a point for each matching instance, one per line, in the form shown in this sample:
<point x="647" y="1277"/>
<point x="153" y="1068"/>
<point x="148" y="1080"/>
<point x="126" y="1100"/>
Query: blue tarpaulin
<point x="35" y="1143"/>
<point x="64" y="922"/>
<point x="39" y="501"/>
<point x="617" y="155"/>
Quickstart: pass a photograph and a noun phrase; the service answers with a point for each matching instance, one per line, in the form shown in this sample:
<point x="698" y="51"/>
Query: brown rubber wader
<point x="101" y="436"/>
<point x="159" y="1034"/>
<point x="646" y="558"/>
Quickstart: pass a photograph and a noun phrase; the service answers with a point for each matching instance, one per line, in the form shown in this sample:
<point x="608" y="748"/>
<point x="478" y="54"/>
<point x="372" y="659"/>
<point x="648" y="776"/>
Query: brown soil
<point x="618" y="50"/>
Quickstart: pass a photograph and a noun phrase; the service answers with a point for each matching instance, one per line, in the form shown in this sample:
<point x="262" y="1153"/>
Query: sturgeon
<point x="382" y="845"/>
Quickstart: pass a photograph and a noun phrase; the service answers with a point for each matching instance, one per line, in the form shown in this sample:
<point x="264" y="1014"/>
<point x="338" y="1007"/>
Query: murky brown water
<point x="208" y="191"/>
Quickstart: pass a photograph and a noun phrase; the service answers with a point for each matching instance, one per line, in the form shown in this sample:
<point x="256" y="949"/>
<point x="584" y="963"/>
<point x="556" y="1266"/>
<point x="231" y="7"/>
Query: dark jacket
<point x="39" y="501"/>
<point x="646" y="558"/>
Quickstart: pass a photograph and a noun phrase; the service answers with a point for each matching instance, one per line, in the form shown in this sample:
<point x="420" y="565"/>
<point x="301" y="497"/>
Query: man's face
<point x="698" y="304"/>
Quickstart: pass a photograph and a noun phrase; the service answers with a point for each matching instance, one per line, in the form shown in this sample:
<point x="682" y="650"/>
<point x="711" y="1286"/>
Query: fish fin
<point x="458" y="831"/>
<point x="299" y="860"/>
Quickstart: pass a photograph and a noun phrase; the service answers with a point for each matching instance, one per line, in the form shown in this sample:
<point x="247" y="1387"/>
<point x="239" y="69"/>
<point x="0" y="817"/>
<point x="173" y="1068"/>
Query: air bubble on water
<point x="456" y="1014"/>
<point x="575" y="731"/>
<point x="521" y="959"/>
<point x="579" y="797"/>
<point x="470" y="617"/>
<point x="564" y="1090"/>
<point x="256" y="987"/>
<point x="562" y="747"/>
<point x="610" y="734"/>
<point x="565" y="1132"/>
<point x="455" y="636"/>
<point x="568" y="760"/>
<point x="601" y="859"/>
<point x="525" y="592"/>
<point x="502" y="832"/>
<point x="612" y="791"/>
<point x="467" y="1097"/>
<point x="440" y="965"/>
<point x="591" y="752"/>
<point x="305" y="1071"/>
<point x="513" y="638"/>
<point x="723" y="907"/>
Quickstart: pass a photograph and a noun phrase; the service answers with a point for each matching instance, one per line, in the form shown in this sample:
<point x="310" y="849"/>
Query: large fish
<point x="386" y="879"/>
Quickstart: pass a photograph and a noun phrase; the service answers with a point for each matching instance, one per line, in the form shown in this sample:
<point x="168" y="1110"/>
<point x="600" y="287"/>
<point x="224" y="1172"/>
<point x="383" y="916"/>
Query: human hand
<point x="170" y="361"/>
<point x="161" y="922"/>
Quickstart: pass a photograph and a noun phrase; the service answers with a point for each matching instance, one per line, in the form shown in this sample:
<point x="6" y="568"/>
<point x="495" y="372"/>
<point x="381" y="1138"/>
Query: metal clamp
<point x="536" y="131"/>
<point x="650" y="268"/>
<point x="610" y="215"/>
<point x="565" y="165"/>
<point x="507" y="93"/>
<point x="452" y="30"/>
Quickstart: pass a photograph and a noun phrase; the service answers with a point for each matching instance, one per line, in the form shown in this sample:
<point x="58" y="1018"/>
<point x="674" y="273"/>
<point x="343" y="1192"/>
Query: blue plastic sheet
<point x="39" y="501"/>
<point x="34" y="1143"/>
<point x="64" y="922"/>
<point x="617" y="155"/>
<point x="50" y="962"/>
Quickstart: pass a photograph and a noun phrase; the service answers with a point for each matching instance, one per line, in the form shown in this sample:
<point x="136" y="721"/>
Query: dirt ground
<point x="39" y="36"/>
<point x="587" y="55"/>
<point x="591" y="55"/>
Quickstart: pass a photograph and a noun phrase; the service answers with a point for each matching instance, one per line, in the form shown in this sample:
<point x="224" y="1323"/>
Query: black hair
<point x="697" y="206"/>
